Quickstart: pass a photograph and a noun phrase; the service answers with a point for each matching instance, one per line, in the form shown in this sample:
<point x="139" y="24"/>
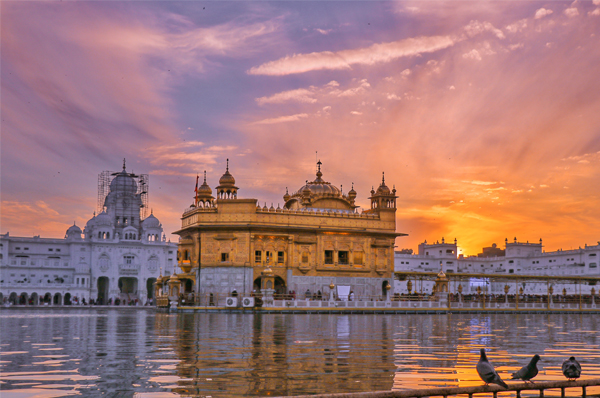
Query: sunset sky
<point x="485" y="115"/>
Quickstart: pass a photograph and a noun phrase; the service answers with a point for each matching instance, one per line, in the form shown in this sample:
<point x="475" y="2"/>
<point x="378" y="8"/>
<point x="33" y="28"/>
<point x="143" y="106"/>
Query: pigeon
<point x="571" y="368"/>
<point x="487" y="372"/>
<point x="528" y="371"/>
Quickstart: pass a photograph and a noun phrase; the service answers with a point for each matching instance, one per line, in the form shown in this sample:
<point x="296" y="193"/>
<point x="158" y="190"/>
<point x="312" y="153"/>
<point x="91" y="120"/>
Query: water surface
<point x="60" y="352"/>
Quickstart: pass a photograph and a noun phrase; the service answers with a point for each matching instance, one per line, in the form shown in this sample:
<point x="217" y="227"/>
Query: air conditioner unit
<point x="248" y="301"/>
<point x="231" y="302"/>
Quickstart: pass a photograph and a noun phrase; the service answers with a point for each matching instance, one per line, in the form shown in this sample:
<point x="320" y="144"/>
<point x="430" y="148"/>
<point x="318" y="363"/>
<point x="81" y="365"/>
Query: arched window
<point x="108" y="235"/>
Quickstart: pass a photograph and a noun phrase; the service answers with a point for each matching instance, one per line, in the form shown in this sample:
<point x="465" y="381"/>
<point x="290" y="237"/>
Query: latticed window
<point x="343" y="257"/>
<point x="280" y="257"/>
<point x="128" y="259"/>
<point x="257" y="256"/>
<point x="328" y="256"/>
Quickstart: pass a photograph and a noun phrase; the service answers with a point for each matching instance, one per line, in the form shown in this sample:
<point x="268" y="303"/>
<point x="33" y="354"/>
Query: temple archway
<point x="23" y="299"/>
<point x="128" y="284"/>
<point x="150" y="287"/>
<point x="57" y="299"/>
<point x="103" y="290"/>
<point x="67" y="299"/>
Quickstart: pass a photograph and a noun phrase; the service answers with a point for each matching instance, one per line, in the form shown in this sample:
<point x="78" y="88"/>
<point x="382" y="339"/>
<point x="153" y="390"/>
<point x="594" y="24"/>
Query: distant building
<point x="317" y="238"/>
<point x="516" y="258"/>
<point x="117" y="256"/>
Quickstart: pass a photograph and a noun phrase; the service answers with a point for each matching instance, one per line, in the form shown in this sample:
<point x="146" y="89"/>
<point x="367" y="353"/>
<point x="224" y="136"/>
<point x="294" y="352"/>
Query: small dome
<point x="383" y="189"/>
<point x="91" y="222"/>
<point x="227" y="179"/>
<point x="150" y="222"/>
<point x="204" y="189"/>
<point x="352" y="192"/>
<point x="103" y="219"/>
<point x="287" y="196"/>
<point x="73" y="229"/>
<point x="73" y="232"/>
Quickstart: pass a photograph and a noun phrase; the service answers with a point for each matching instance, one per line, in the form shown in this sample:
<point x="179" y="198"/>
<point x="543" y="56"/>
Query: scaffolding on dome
<point x="106" y="177"/>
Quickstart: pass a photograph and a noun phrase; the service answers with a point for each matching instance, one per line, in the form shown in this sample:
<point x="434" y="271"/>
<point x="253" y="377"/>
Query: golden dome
<point x="327" y="195"/>
<point x="204" y="189"/>
<point x="383" y="189"/>
<point x="227" y="179"/>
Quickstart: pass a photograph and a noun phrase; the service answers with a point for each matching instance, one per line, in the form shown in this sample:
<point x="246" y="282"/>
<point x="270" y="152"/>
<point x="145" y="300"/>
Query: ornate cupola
<point x="352" y="195"/>
<point x="287" y="196"/>
<point x="227" y="188"/>
<point x="383" y="198"/>
<point x="204" y="196"/>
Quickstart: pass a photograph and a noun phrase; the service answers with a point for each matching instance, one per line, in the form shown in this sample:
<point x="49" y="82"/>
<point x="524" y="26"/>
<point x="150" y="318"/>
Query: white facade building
<point x="117" y="257"/>
<point x="516" y="258"/>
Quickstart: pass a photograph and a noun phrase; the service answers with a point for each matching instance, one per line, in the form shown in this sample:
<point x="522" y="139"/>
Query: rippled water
<point x="61" y="352"/>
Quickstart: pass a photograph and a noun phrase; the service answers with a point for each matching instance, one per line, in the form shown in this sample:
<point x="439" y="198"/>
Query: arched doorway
<point x="150" y="287"/>
<point x="128" y="284"/>
<point x="189" y="286"/>
<point x="57" y="299"/>
<point x="13" y="298"/>
<point x="23" y="299"/>
<point x="34" y="299"/>
<point x="102" y="290"/>
<point x="47" y="298"/>
<point x="280" y="287"/>
<point x="67" y="299"/>
<point x="1" y="298"/>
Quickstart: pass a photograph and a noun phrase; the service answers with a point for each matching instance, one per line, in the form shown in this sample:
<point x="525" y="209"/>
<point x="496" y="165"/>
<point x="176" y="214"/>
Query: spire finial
<point x="205" y="176"/>
<point x="151" y="211"/>
<point x="227" y="165"/>
<point x="286" y="191"/>
<point x="353" y="186"/>
<point x="319" y="165"/>
<point x="383" y="178"/>
<point x="123" y="163"/>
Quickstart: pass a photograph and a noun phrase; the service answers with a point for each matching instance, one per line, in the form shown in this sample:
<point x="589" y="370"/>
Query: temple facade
<point x="317" y="239"/>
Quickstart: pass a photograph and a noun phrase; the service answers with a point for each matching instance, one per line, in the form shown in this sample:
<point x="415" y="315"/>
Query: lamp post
<point x="550" y="291"/>
<point x="506" y="289"/>
<point x="387" y="292"/>
<point x="331" y="287"/>
<point x="460" y="290"/>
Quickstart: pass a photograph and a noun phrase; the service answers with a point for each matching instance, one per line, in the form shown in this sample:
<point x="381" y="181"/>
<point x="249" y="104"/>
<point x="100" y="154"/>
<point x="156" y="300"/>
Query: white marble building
<point x="117" y="256"/>
<point x="516" y="258"/>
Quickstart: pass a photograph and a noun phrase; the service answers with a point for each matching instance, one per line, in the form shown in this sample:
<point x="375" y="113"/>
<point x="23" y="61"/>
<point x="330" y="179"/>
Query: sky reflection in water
<point x="52" y="352"/>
